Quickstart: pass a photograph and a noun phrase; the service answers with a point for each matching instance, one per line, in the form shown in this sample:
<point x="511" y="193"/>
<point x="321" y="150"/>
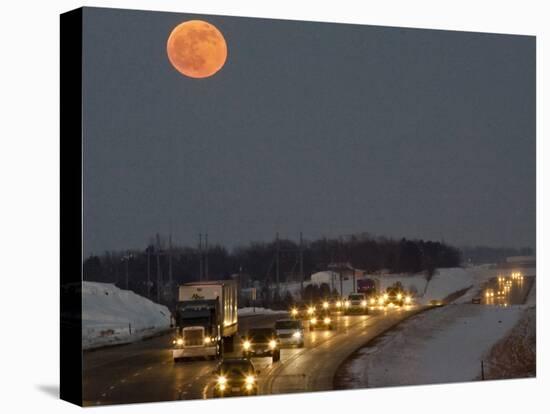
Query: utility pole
<point x="159" y="276"/>
<point x="148" y="272"/>
<point x="170" y="280"/>
<point x="277" y="262"/>
<point x="200" y="257"/>
<point x="301" y="263"/>
<point x="206" y="256"/>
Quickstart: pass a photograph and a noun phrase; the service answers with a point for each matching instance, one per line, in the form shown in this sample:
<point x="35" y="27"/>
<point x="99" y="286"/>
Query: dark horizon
<point x="328" y="129"/>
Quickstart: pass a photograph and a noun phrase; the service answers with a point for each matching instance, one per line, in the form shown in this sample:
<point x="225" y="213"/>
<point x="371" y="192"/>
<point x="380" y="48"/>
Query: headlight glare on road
<point x="273" y="344"/>
<point x="247" y="345"/>
<point x="297" y="334"/>
<point x="326" y="320"/>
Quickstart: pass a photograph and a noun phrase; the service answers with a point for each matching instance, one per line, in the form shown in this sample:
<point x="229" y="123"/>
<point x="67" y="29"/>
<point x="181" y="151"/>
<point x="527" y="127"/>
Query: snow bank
<point x="113" y="316"/>
<point x="442" y="345"/>
<point x="258" y="311"/>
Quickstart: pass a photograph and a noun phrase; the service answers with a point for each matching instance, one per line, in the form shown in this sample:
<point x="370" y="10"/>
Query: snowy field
<point x="443" y="345"/>
<point x="258" y="311"/>
<point x="114" y="316"/>
<point x="443" y="283"/>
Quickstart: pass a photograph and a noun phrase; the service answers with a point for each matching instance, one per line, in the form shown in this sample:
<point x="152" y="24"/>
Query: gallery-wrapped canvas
<point x="257" y="207"/>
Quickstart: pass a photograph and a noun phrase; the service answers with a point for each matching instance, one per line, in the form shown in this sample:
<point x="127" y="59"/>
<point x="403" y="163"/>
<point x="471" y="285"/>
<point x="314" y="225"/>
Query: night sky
<point x="328" y="129"/>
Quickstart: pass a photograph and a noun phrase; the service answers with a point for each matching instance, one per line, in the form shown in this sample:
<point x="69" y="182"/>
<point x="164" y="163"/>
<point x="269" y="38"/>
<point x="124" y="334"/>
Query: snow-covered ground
<point x="442" y="345"/>
<point x="443" y="283"/>
<point x="258" y="311"/>
<point x="113" y="316"/>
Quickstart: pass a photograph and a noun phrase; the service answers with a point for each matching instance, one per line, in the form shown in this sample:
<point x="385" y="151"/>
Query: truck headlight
<point x="326" y="321"/>
<point x="297" y="334"/>
<point x="207" y="339"/>
<point x="247" y="345"/>
<point x="273" y="344"/>
<point x="250" y="379"/>
<point x="179" y="341"/>
<point x="222" y="380"/>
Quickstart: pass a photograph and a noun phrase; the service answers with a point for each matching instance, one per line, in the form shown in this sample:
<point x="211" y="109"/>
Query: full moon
<point x="196" y="49"/>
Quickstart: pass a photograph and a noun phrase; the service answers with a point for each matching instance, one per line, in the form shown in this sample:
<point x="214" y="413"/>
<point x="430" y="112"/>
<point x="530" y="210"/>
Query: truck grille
<point x="193" y="337"/>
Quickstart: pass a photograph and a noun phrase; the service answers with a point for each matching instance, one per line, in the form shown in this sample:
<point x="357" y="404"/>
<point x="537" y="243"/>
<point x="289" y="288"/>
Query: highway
<point x="145" y="371"/>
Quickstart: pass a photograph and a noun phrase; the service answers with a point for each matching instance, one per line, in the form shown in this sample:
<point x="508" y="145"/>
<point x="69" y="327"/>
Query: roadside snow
<point x="441" y="345"/>
<point x="258" y="311"/>
<point x="114" y="316"/>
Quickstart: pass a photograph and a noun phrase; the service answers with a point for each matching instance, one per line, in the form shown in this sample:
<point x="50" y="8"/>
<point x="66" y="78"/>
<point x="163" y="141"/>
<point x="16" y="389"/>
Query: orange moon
<point x="196" y="49"/>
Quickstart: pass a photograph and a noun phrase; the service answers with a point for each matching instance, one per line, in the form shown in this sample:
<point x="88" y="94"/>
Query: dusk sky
<point x="328" y="129"/>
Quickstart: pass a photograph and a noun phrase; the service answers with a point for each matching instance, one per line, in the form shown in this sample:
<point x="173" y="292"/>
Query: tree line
<point x="258" y="261"/>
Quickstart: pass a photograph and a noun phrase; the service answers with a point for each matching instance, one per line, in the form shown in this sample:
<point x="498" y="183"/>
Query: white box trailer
<point x="206" y="318"/>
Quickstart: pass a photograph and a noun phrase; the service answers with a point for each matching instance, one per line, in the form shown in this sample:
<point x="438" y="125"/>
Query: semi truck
<point x="206" y="319"/>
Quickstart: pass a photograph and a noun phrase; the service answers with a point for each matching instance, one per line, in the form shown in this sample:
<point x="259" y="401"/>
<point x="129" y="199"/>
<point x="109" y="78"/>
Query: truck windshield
<point x="356" y="297"/>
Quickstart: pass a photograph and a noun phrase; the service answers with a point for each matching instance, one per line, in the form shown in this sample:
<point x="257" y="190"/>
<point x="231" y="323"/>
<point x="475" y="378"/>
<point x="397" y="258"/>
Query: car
<point x="321" y="321"/>
<point x="235" y="376"/>
<point x="290" y="332"/>
<point x="476" y="300"/>
<point x="357" y="303"/>
<point x="397" y="296"/>
<point x="303" y="312"/>
<point x="262" y="342"/>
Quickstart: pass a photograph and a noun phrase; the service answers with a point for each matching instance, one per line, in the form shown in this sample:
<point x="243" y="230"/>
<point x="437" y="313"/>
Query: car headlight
<point x="346" y="304"/>
<point x="408" y="299"/>
<point x="247" y="345"/>
<point x="297" y="334"/>
<point x="250" y="379"/>
<point x="326" y="321"/>
<point x="294" y="312"/>
<point x="399" y="296"/>
<point x="385" y="296"/>
<point x="380" y="301"/>
<point x="222" y="380"/>
<point x="325" y="305"/>
<point x="338" y="304"/>
<point x="313" y="321"/>
<point x="373" y="301"/>
<point x="363" y="303"/>
<point x="273" y="344"/>
<point x="179" y="341"/>
<point x="311" y="310"/>
<point x="207" y="339"/>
